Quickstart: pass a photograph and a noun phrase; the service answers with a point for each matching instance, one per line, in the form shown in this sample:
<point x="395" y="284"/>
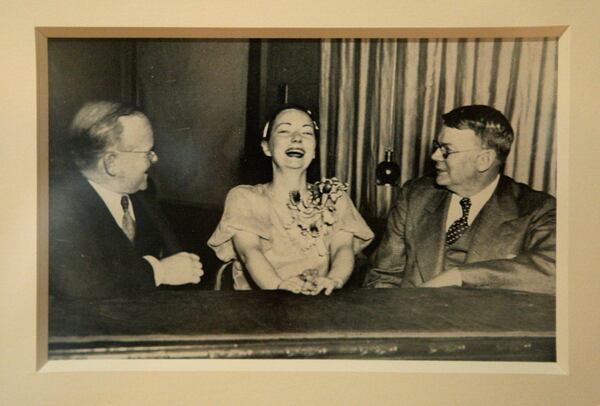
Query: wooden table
<point x="436" y="324"/>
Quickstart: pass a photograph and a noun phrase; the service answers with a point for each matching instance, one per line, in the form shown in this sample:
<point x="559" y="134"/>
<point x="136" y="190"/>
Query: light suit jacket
<point x="513" y="242"/>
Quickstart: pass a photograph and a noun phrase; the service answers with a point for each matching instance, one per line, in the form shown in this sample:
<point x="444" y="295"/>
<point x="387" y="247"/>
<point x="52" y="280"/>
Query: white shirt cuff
<point x="157" y="268"/>
<point x="456" y="275"/>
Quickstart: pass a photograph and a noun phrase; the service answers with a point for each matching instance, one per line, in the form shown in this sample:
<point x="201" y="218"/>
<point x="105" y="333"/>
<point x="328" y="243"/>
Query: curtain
<point x="380" y="94"/>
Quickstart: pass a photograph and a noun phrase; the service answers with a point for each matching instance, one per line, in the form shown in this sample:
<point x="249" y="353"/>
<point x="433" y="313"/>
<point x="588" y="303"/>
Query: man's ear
<point x="486" y="160"/>
<point x="109" y="161"/>
<point x="265" y="148"/>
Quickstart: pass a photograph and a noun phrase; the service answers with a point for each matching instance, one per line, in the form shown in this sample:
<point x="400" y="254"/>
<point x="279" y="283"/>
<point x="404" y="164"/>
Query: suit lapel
<point x="431" y="235"/>
<point x="489" y="224"/>
<point x="143" y="220"/>
<point x="93" y="205"/>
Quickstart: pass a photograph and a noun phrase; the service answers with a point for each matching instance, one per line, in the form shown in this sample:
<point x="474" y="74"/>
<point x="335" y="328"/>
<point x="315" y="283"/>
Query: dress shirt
<point x="477" y="202"/>
<point x="112" y="200"/>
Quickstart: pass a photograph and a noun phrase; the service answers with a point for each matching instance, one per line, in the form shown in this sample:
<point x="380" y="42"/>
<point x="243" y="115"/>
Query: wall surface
<point x="194" y="92"/>
<point x="297" y="64"/>
<point x="80" y="71"/>
<point x="283" y="71"/>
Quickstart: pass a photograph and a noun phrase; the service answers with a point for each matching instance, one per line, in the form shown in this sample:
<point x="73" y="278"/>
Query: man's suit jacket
<point x="513" y="242"/>
<point x="90" y="256"/>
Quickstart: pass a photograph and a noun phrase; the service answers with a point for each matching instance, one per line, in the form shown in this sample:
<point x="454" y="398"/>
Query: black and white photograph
<point x="380" y="198"/>
<point x="299" y="203"/>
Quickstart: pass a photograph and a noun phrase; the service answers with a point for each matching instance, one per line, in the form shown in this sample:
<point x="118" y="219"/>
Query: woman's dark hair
<point x="313" y="171"/>
<point x="266" y="135"/>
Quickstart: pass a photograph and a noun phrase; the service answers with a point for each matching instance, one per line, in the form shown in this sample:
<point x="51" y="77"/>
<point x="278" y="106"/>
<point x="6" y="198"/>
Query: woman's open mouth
<point x="295" y="152"/>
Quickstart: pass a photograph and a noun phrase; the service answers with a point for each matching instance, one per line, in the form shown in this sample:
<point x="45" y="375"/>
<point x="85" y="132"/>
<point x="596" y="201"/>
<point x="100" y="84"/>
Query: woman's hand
<point x="293" y="284"/>
<point x="305" y="283"/>
<point x="310" y="286"/>
<point x="327" y="284"/>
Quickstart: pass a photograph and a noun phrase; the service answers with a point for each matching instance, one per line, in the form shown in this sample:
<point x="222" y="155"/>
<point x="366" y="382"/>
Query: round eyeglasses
<point x="150" y="155"/>
<point x="446" y="152"/>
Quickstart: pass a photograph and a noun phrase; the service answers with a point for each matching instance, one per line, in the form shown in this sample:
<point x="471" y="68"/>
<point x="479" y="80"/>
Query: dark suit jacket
<point x="513" y="244"/>
<point x="90" y="256"/>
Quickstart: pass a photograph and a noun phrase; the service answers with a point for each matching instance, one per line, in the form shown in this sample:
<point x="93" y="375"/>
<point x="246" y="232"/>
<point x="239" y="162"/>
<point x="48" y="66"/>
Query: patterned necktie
<point x="461" y="225"/>
<point x="127" y="221"/>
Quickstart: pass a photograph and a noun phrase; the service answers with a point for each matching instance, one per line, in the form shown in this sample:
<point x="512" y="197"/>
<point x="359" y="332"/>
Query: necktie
<point x="461" y="225"/>
<point x="127" y="221"/>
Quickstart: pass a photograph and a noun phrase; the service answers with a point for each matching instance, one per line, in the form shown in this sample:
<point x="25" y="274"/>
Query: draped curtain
<point x="380" y="94"/>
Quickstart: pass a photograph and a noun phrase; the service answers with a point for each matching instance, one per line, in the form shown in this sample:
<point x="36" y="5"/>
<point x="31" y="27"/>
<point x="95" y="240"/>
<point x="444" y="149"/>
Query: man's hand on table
<point x="180" y="269"/>
<point x="450" y="277"/>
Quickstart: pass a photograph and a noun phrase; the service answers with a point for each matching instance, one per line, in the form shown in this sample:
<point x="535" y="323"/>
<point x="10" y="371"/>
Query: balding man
<point x="107" y="237"/>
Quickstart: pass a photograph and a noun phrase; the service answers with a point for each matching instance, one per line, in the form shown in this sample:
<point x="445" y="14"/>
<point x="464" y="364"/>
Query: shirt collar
<point x="112" y="200"/>
<point x="478" y="200"/>
<point x="106" y="194"/>
<point x="481" y="197"/>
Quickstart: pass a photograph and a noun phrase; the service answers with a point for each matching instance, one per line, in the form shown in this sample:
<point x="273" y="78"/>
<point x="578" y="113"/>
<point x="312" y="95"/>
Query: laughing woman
<point x="289" y="234"/>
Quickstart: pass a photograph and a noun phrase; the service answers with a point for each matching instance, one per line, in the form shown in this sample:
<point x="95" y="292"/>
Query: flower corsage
<point x="314" y="214"/>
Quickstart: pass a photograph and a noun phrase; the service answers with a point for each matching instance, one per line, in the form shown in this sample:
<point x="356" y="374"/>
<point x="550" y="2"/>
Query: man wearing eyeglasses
<point x="107" y="237"/>
<point x="469" y="225"/>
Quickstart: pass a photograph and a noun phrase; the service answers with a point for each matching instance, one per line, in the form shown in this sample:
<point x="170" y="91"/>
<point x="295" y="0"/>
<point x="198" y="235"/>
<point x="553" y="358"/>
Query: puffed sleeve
<point x="350" y="220"/>
<point x="244" y="211"/>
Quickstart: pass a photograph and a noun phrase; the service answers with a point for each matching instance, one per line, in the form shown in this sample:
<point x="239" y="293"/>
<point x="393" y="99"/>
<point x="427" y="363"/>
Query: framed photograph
<point x="377" y="96"/>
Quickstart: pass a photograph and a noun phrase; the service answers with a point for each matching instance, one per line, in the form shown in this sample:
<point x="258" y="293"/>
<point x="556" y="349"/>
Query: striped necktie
<point x="461" y="225"/>
<point x="127" y="222"/>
